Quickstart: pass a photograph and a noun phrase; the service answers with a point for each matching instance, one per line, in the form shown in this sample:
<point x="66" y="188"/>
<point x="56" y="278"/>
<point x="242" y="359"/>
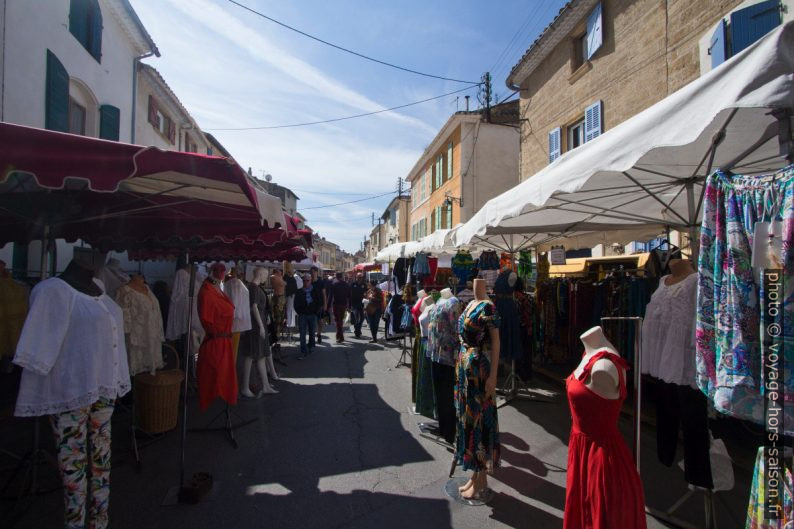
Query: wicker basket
<point x="157" y="400"/>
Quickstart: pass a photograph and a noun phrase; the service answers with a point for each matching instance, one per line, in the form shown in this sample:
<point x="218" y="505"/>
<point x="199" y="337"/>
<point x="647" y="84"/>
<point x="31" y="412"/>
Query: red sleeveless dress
<point x="603" y="489"/>
<point x="217" y="376"/>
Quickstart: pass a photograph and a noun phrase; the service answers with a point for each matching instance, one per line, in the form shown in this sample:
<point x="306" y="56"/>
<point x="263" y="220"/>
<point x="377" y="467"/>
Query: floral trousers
<point x="279" y="314"/>
<point x="82" y="438"/>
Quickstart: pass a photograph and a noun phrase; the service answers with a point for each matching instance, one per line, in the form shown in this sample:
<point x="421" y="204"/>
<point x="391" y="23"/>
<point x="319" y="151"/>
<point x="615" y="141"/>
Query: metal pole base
<point x="513" y="388"/>
<point x="669" y="517"/>
<point x="403" y="357"/>
<point x="228" y="427"/>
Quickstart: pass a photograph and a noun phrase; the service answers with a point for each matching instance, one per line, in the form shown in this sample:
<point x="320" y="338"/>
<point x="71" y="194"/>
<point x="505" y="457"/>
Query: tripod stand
<point x="228" y="427"/>
<point x="514" y="385"/>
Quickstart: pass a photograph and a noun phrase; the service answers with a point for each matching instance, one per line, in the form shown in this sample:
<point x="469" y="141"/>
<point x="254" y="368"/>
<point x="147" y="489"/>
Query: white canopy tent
<point x="649" y="172"/>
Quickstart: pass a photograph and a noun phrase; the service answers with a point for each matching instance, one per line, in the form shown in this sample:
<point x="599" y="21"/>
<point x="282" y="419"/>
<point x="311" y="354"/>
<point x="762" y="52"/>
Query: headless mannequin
<point x="479" y="480"/>
<point x="511" y="279"/>
<point x="421" y="294"/>
<point x="138" y="284"/>
<point x="604" y="377"/>
<point x="263" y="364"/>
<point x="80" y="276"/>
<point x="427" y="304"/>
<point x="680" y="269"/>
<point x="446" y="293"/>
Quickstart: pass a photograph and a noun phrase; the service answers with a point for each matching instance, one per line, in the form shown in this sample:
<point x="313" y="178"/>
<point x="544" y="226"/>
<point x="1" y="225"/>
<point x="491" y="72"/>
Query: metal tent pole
<point x="694" y="242"/>
<point x="188" y="346"/>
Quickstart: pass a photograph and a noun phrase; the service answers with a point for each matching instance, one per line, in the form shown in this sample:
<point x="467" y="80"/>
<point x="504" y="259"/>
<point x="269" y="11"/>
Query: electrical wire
<point x="361" y="55"/>
<point x="349" y="201"/>
<point x="347" y="117"/>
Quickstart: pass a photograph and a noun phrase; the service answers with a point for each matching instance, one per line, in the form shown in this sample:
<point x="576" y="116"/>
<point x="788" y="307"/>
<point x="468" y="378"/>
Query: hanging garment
<point x="176" y="323"/>
<point x="603" y="489"/>
<point x="416" y="348"/>
<point x="462" y="267"/>
<point x="13" y="310"/>
<point x="506" y="262"/>
<point x="510" y="333"/>
<point x="71" y="350"/>
<point x="112" y="277"/>
<point x="421" y="267"/>
<point x="395" y="310"/>
<point x="241" y="298"/>
<point x="526" y="311"/>
<point x="400" y="273"/>
<point x="217" y="375"/>
<point x="756" y="509"/>
<point x="525" y="265"/>
<point x="253" y="344"/>
<point x="430" y="279"/>
<point x="668" y="332"/>
<point x="143" y="329"/>
<point x="488" y="261"/>
<point x="465" y="295"/>
<point x="680" y="407"/>
<point x="729" y="353"/>
<point x="443" y="276"/>
<point x="425" y="399"/>
<point x="477" y="438"/>
<point x="443" y="340"/>
<point x="490" y="277"/>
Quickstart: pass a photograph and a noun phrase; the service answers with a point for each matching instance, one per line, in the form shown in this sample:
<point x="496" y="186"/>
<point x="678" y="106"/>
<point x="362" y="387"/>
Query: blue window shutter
<point x="95" y="29"/>
<point x="56" y="95"/>
<point x="592" y="121"/>
<point x="751" y="23"/>
<point x="594" y="31"/>
<point x="78" y="21"/>
<point x="554" y="144"/>
<point x="109" y="118"/>
<point x="718" y="48"/>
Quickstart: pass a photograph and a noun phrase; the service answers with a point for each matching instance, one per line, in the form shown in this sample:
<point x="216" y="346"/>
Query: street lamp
<point x="448" y="200"/>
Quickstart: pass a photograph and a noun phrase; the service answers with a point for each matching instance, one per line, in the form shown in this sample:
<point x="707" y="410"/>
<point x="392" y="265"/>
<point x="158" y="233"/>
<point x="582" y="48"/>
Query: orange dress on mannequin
<point x="217" y="376"/>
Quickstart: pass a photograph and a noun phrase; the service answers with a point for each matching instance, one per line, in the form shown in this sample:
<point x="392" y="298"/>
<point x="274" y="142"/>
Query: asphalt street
<point x="337" y="447"/>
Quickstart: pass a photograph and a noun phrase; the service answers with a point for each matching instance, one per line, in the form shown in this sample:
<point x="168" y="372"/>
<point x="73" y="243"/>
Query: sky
<point x="234" y="69"/>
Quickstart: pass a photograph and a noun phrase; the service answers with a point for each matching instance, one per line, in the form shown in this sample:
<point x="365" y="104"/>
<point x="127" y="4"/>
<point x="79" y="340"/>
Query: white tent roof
<point x="650" y="171"/>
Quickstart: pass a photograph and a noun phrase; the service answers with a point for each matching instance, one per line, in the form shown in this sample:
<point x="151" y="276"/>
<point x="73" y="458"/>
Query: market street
<point x="337" y="447"/>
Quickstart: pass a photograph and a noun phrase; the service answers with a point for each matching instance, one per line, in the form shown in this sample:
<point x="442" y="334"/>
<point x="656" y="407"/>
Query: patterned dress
<point x="477" y="438"/>
<point x="729" y="349"/>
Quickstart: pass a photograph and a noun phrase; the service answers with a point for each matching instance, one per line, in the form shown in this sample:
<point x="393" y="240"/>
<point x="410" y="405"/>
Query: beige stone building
<point x="469" y="162"/>
<point x="396" y="220"/>
<point x="601" y="62"/>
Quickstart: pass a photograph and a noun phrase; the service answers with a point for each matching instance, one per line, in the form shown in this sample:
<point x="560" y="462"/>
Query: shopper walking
<point x="340" y="301"/>
<point x="374" y="309"/>
<point x="319" y="290"/>
<point x="306" y="306"/>
<point x="279" y="304"/>
<point x="357" y="292"/>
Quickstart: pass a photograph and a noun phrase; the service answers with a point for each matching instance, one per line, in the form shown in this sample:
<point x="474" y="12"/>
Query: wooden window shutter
<point x="718" y="47"/>
<point x="109" y="118"/>
<point x="594" y="32"/>
<point x="592" y="121"/>
<point x="554" y="144"/>
<point x="449" y="159"/>
<point x="95" y="31"/>
<point x="751" y="23"/>
<point x="78" y="21"/>
<point x="152" y="111"/>
<point x="171" y="132"/>
<point x="56" y="106"/>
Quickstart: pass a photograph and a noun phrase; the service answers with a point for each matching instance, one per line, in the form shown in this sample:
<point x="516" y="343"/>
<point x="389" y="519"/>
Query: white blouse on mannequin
<point x="668" y="332"/>
<point x="71" y="350"/>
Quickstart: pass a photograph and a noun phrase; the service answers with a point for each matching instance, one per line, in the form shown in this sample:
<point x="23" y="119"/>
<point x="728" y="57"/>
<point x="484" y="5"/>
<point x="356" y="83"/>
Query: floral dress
<point x="477" y="438"/>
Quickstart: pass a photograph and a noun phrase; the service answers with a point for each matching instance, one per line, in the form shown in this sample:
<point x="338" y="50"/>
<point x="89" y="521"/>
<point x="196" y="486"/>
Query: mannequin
<point x="421" y="294"/>
<point x="74" y="362"/>
<point x="291" y="285"/>
<point x="446" y="293"/>
<point x="143" y="326"/>
<point x="112" y="277"/>
<point x="216" y="371"/>
<point x="510" y="331"/>
<point x="238" y="293"/>
<point x="475" y="392"/>
<point x="443" y="345"/>
<point x="425" y="400"/>
<point x="258" y="341"/>
<point x="604" y="377"/>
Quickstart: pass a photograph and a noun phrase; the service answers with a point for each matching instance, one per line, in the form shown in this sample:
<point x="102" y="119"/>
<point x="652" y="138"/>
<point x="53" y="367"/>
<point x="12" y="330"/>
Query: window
<point x="85" y="23"/>
<point x="109" y="118"/>
<point x="746" y="26"/>
<point x="579" y="51"/>
<point x="587" y="42"/>
<point x="393" y="217"/>
<point x="424" y="184"/>
<point x="190" y="145"/>
<point x="449" y="215"/>
<point x="161" y="121"/>
<point x="555" y="148"/>
<point x="576" y="134"/>
<point x="449" y="160"/>
<point x="76" y="118"/>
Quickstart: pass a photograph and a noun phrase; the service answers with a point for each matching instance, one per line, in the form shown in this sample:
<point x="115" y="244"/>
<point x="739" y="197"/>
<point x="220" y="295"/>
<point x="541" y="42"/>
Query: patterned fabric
<point x="525" y="265"/>
<point x="755" y="509"/>
<point x="506" y="262"/>
<point x="443" y="343"/>
<point x="425" y="396"/>
<point x="77" y="432"/>
<point x="143" y="329"/>
<point x="279" y="313"/>
<point x="729" y="355"/>
<point x="421" y="266"/>
<point x="443" y="275"/>
<point x="462" y="266"/>
<point x="477" y="437"/>
<point x="488" y="261"/>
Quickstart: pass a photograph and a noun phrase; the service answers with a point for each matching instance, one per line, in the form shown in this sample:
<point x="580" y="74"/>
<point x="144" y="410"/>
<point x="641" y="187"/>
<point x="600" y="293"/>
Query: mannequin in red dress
<point x="603" y="489"/>
<point x="217" y="376"/>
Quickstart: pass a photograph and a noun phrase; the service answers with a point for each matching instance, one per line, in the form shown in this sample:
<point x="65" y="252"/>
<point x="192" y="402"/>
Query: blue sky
<point x="231" y="68"/>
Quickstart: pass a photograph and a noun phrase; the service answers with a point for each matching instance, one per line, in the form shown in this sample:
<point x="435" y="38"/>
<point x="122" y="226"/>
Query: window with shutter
<point x="153" y="112"/>
<point x="718" y="48"/>
<point x="56" y="95"/>
<point x="85" y="23"/>
<point x="592" y="121"/>
<point x="449" y="159"/>
<point x="449" y="215"/>
<point x="594" y="33"/>
<point x="753" y="22"/>
<point x="554" y="144"/>
<point x="109" y="117"/>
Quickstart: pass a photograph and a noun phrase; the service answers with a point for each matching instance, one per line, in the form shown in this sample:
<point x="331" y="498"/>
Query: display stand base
<point x="406" y="351"/>
<point x="172" y="496"/>
<point x="28" y="468"/>
<point x="229" y="428"/>
<point x="412" y="410"/>
<point x="516" y="388"/>
<point x="452" y="486"/>
<point x="668" y="516"/>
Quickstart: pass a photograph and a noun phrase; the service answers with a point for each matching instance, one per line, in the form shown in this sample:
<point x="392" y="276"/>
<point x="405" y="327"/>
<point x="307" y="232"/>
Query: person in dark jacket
<point x="307" y="304"/>
<point x="340" y="301"/>
<point x="357" y="292"/>
<point x="319" y="289"/>
<point x="374" y="309"/>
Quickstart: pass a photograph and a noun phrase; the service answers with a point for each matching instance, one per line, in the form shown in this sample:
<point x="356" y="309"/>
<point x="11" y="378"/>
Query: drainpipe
<point x="3" y="72"/>
<point x="135" y="62"/>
